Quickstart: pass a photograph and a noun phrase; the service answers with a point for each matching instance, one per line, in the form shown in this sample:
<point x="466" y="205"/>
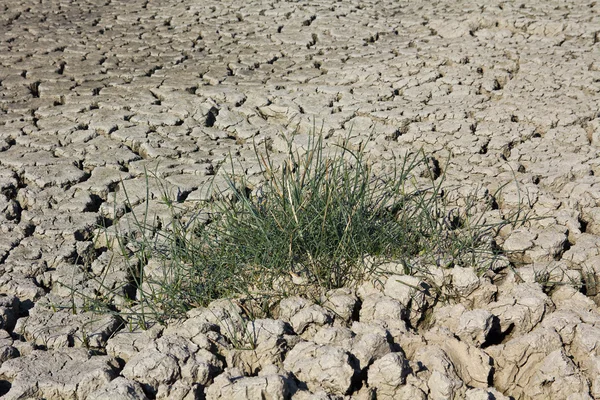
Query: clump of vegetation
<point x="324" y="218"/>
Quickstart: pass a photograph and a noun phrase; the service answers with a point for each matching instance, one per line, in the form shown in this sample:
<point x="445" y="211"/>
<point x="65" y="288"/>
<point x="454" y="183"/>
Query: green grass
<point x="327" y="217"/>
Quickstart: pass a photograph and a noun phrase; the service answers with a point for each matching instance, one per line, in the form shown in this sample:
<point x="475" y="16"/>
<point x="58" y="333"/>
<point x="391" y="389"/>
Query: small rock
<point x="231" y="385"/>
<point x="313" y="316"/>
<point x="342" y="302"/>
<point x="442" y="379"/>
<point x="521" y="308"/>
<point x="152" y="369"/>
<point x="321" y="367"/>
<point x="7" y="350"/>
<point x="290" y="306"/>
<point x="552" y="241"/>
<point x="125" y="344"/>
<point x="485" y="294"/>
<point x="319" y="395"/>
<point x="380" y="307"/>
<point x="475" y="326"/>
<point x="336" y="336"/>
<point x="519" y="241"/>
<point x="368" y="347"/>
<point x="370" y="287"/>
<point x="411" y="292"/>
<point x="119" y="388"/>
<point x="464" y="280"/>
<point x="179" y="391"/>
<point x="388" y="374"/>
<point x="359" y="328"/>
<point x="260" y="330"/>
<point x="169" y="359"/>
<point x="225" y="314"/>
<point x="194" y="326"/>
<point x="484" y="394"/>
<point x="9" y="311"/>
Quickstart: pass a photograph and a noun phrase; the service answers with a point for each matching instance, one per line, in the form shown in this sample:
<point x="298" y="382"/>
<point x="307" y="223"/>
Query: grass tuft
<point x="326" y="217"/>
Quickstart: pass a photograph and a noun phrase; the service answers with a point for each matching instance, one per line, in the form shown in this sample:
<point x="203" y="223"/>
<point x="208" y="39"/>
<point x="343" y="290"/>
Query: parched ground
<point x="92" y="95"/>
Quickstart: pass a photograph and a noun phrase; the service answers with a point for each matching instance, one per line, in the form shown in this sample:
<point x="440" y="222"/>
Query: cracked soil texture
<point x="93" y="94"/>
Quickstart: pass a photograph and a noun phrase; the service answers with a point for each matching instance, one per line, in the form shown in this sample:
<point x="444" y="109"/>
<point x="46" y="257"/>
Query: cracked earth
<point x="93" y="95"/>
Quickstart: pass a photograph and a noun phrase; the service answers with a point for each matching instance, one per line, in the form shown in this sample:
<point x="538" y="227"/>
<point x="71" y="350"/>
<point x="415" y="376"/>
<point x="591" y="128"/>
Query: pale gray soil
<point x="92" y="94"/>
